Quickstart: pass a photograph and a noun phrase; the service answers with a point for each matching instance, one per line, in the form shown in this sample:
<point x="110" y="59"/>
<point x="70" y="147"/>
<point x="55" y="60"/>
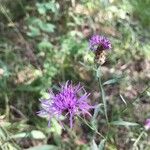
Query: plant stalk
<point x="99" y="75"/>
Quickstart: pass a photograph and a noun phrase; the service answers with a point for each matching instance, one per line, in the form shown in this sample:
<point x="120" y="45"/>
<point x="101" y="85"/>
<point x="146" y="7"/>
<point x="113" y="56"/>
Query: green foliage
<point x="35" y="134"/>
<point x="58" y="33"/>
<point x="44" y="147"/>
<point x="141" y="11"/>
<point x="123" y="123"/>
<point x="45" y="7"/>
<point x="37" y="25"/>
<point x="5" y="141"/>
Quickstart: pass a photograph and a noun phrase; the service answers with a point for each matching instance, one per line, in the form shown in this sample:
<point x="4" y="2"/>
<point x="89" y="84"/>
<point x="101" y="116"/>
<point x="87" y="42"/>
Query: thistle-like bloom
<point x="147" y="124"/>
<point x="99" y="41"/>
<point x="69" y="101"/>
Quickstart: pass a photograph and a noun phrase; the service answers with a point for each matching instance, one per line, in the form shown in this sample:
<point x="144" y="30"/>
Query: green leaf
<point x="20" y="135"/>
<point x="102" y="144"/>
<point x="123" y="123"/>
<point x="123" y="99"/>
<point x="98" y="72"/>
<point x="96" y="111"/>
<point x="33" y="31"/>
<point x="47" y="27"/>
<point x="36" y="134"/>
<point x="44" y="45"/>
<point x="41" y="8"/>
<point x="56" y="128"/>
<point x="34" y="21"/>
<point x="51" y="6"/>
<point x="36" y="24"/>
<point x="44" y="7"/>
<point x="4" y="67"/>
<point x="44" y="147"/>
<point x="94" y="145"/>
<point x="111" y="81"/>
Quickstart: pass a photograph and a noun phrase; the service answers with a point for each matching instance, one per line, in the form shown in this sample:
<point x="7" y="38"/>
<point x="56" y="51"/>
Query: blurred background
<point x="45" y="42"/>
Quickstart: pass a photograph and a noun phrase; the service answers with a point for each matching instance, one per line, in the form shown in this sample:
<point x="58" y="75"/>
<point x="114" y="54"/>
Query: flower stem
<point x="99" y="75"/>
<point x="138" y="139"/>
<point x="92" y="128"/>
<point x="135" y="99"/>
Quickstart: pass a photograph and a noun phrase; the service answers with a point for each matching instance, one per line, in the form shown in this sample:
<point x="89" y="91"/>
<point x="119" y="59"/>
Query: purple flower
<point x="147" y="124"/>
<point x="99" y="41"/>
<point x="69" y="101"/>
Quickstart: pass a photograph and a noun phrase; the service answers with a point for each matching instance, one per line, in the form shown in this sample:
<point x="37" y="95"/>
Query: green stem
<point x="138" y="139"/>
<point x="5" y="138"/>
<point x="92" y="128"/>
<point x="135" y="99"/>
<point x="7" y="109"/>
<point x="99" y="74"/>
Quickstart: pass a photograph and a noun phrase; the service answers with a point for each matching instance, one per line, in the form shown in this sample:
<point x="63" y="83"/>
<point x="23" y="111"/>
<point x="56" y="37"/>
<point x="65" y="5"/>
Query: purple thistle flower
<point x="70" y="100"/>
<point x="147" y="124"/>
<point x="99" y="41"/>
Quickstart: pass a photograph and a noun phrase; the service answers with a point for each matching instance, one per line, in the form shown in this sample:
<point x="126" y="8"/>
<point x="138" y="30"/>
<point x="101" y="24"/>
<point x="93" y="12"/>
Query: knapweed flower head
<point x="99" y="44"/>
<point x="147" y="124"/>
<point x="69" y="101"/>
<point x="98" y="41"/>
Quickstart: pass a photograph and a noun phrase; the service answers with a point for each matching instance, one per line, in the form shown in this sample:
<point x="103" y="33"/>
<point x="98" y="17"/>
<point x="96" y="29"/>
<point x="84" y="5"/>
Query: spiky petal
<point x="99" y="41"/>
<point x="69" y="101"/>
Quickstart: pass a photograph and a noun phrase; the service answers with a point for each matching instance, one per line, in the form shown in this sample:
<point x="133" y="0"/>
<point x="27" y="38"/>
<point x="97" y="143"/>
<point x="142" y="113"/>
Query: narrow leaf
<point x="94" y="145"/>
<point x="123" y="123"/>
<point x="111" y="81"/>
<point x="44" y="147"/>
<point x="102" y="144"/>
<point x="123" y="99"/>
